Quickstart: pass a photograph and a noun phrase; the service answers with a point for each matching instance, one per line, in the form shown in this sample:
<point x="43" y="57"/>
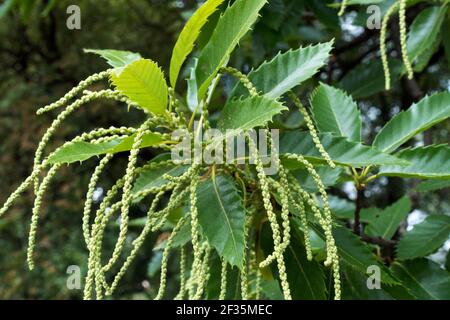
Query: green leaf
<point x="447" y="262"/>
<point x="419" y="117"/>
<point x="336" y="112"/>
<point x="232" y="26"/>
<point x="81" y="150"/>
<point x="446" y="40"/>
<point x="341" y="208"/>
<point x="6" y="6"/>
<point x="425" y="162"/>
<point x="306" y="278"/>
<point x="328" y="175"/>
<point x="221" y="216"/>
<point x="354" y="287"/>
<point x="424" y="30"/>
<point x="342" y="151"/>
<point x="367" y="79"/>
<point x="355" y="253"/>
<point x="386" y="222"/>
<point x="233" y="282"/>
<point x="116" y="58"/>
<point x="143" y="82"/>
<point x="287" y="70"/>
<point x="424" y="238"/>
<point x="424" y="279"/>
<point x="188" y="37"/>
<point x="153" y="177"/>
<point x="432" y="185"/>
<point x="248" y="113"/>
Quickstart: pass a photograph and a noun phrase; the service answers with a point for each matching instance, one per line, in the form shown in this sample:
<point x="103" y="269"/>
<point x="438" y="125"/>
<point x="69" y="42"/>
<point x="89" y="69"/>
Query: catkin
<point x="126" y="196"/>
<point x="165" y="259"/>
<point x="383" y="50"/>
<point x="312" y="130"/>
<point x="343" y="7"/>
<point x="402" y="23"/>
<point x="74" y="91"/>
<point x="90" y="193"/>
<point x="35" y="217"/>
<point x="223" y="280"/>
<point x="272" y="218"/>
<point x="242" y="78"/>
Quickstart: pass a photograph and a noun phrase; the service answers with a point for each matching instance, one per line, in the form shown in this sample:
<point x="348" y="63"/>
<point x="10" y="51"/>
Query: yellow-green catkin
<point x="343" y="7"/>
<point x="298" y="203"/>
<point x="57" y="122"/>
<point x="402" y="23"/>
<point x="223" y="280"/>
<point x="74" y="91"/>
<point x="138" y="242"/>
<point x="90" y="194"/>
<point x="165" y="259"/>
<point x="36" y="210"/>
<point x="126" y="195"/>
<point x="22" y="187"/>
<point x="244" y="270"/>
<point x="326" y="207"/>
<point x="203" y="274"/>
<point x="182" y="291"/>
<point x="278" y="250"/>
<point x="312" y="129"/>
<point x="283" y="190"/>
<point x="242" y="78"/>
<point x="96" y="237"/>
<point x="383" y="50"/>
<point x="195" y="236"/>
<point x="332" y="255"/>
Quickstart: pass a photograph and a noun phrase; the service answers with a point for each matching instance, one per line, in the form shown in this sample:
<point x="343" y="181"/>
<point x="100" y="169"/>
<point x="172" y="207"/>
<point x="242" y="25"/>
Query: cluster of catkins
<point x="399" y="6"/>
<point x="178" y="189"/>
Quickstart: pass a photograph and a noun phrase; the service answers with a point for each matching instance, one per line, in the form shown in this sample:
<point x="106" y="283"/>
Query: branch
<point x="378" y="241"/>
<point x="358" y="207"/>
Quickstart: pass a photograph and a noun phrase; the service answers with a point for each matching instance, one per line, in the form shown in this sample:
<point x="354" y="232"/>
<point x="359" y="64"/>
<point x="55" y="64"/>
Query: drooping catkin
<point x="324" y="196"/>
<point x="244" y="270"/>
<point x="343" y="7"/>
<point x="203" y="274"/>
<point x="223" y="280"/>
<point x="165" y="259"/>
<point x="22" y="187"/>
<point x="195" y="235"/>
<point x="298" y="203"/>
<point x="278" y="250"/>
<point x="126" y="195"/>
<point x="312" y="130"/>
<point x="383" y="50"/>
<point x="242" y="78"/>
<point x="90" y="195"/>
<point x="36" y="210"/>
<point x="182" y="291"/>
<point x="57" y="122"/>
<point x="402" y="24"/>
<point x="283" y="190"/>
<point x="76" y="90"/>
<point x="138" y="242"/>
<point x="332" y="256"/>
